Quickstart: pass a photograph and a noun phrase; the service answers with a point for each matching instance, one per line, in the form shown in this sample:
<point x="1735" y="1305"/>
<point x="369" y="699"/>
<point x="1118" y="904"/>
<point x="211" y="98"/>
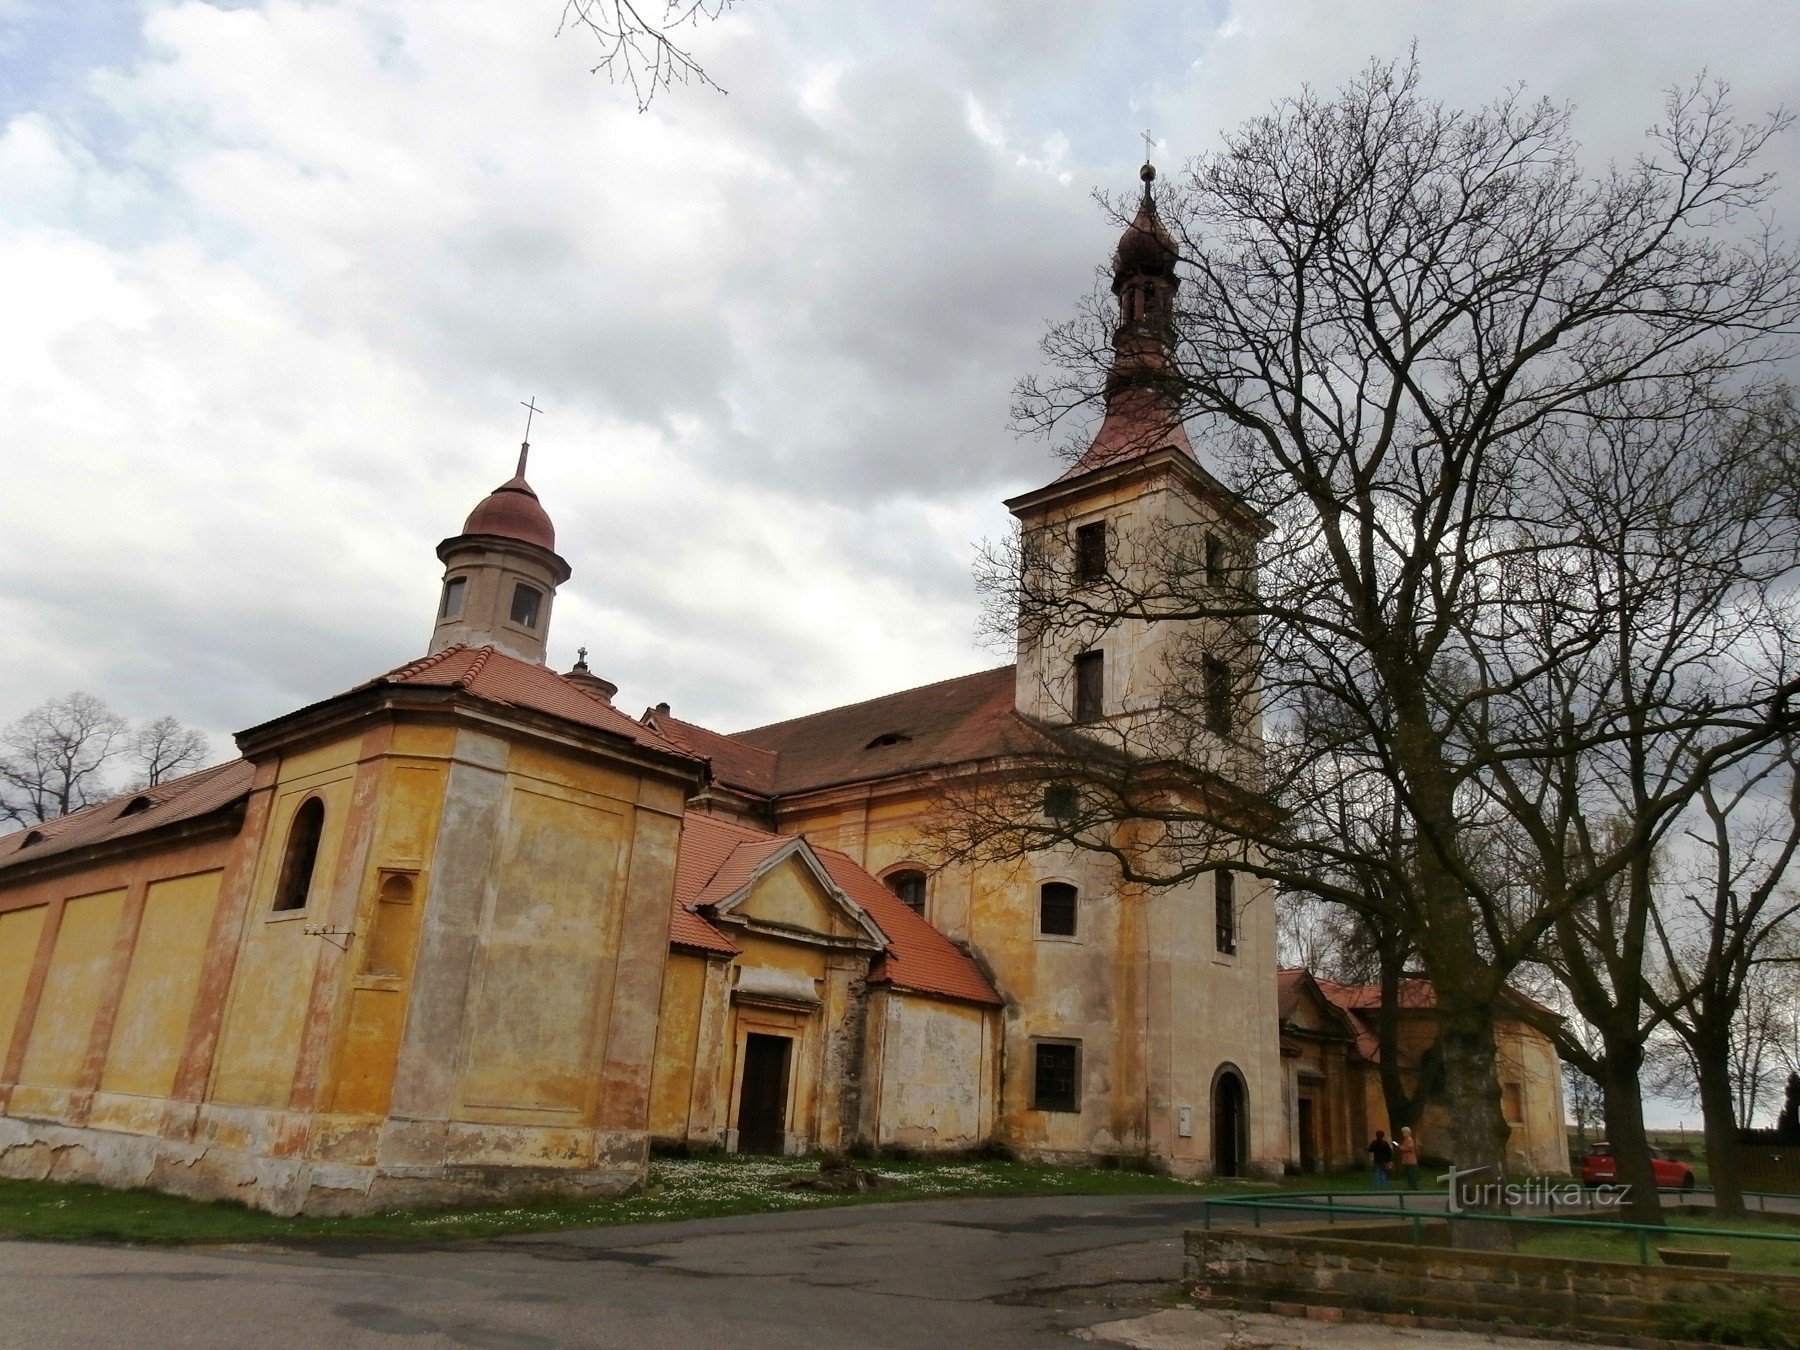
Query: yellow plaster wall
<point x="790" y="895"/>
<point x="677" y="1045"/>
<point x="259" y="1045"/>
<point x="932" y="1073"/>
<point x="390" y="914"/>
<point x="73" y="990"/>
<point x="547" y="937"/>
<point x="160" y="986"/>
<point x="20" y="930"/>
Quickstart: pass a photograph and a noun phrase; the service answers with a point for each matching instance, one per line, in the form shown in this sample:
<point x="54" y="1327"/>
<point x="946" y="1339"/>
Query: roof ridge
<point x="722" y="735"/>
<point x="739" y="828"/>
<point x="469" y="676"/>
<point x="160" y="794"/>
<point x="857" y="703"/>
<point x="424" y="663"/>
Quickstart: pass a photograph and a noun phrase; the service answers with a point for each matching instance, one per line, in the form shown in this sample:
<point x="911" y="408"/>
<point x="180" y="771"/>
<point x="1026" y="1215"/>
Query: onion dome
<point x="1146" y="247"/>
<point x="512" y="511"/>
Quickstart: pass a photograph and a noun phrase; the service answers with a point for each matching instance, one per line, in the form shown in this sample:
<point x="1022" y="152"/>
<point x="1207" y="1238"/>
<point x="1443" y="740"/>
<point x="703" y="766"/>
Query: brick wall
<point x="1306" y="1272"/>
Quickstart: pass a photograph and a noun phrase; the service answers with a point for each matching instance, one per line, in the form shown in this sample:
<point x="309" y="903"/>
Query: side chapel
<point x="470" y="931"/>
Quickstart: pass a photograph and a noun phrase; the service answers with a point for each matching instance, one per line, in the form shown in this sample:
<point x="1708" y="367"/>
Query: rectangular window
<point x="1060" y="801"/>
<point x="1090" y="686"/>
<point x="1218" y="698"/>
<point x="453" y="597"/>
<point x="1056" y="1080"/>
<point x="1090" y="551"/>
<point x="1215" y="560"/>
<point x="525" y="606"/>
<point x="1056" y="909"/>
<point x="1225" y="911"/>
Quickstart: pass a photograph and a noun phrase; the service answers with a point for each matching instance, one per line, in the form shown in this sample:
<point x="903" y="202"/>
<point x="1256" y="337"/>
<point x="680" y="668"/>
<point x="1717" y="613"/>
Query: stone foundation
<point x="1308" y="1272"/>
<point x="221" y="1162"/>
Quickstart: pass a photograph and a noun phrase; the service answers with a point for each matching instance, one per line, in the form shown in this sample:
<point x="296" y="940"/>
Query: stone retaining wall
<point x="1309" y="1272"/>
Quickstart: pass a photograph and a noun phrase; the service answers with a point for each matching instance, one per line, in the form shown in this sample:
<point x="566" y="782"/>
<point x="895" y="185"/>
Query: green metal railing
<point x="1419" y="1213"/>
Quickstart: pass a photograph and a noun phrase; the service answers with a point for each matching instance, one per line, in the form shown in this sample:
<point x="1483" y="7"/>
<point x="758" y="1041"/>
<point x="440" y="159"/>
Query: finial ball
<point x="1148" y="173"/>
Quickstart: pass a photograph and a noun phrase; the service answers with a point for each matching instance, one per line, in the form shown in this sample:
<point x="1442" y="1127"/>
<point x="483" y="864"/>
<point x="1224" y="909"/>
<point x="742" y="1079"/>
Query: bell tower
<point x="501" y="574"/>
<point x="1137" y="505"/>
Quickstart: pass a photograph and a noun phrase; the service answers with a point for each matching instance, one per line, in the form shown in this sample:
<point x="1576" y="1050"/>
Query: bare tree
<point x="60" y="757"/>
<point x="636" y="45"/>
<point x="1408" y="330"/>
<point x="163" y="748"/>
<point x="53" y="759"/>
<point x="1719" y="938"/>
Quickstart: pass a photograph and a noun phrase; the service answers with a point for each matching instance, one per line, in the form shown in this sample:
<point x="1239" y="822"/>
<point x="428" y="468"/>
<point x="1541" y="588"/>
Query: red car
<point x="1599" y="1169"/>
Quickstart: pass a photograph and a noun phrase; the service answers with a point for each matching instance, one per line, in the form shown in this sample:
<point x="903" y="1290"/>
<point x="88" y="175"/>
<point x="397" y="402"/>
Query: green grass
<point x="1777" y="1258"/>
<point x="677" y="1189"/>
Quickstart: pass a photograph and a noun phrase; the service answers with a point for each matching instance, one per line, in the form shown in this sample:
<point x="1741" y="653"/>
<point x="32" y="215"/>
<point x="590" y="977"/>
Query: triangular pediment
<point x="789" y="893"/>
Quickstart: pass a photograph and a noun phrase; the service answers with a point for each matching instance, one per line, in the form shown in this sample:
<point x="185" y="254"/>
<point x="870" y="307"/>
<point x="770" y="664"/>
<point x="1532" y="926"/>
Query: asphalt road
<point x="984" y="1273"/>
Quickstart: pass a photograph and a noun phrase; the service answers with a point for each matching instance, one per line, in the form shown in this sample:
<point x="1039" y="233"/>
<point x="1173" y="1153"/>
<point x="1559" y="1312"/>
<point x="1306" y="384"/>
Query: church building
<point x="470" y="931"/>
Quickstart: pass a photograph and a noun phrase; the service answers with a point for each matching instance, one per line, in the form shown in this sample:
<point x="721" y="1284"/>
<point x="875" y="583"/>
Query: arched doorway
<point x="1231" y="1122"/>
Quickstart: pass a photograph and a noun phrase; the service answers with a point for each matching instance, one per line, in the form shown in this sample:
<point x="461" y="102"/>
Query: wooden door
<point x="762" y="1096"/>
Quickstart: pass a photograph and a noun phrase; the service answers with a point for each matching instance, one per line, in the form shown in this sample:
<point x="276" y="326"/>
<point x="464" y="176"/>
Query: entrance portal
<point x="1230" y="1127"/>
<point x="762" y="1096"/>
<point x="1309" y="1135"/>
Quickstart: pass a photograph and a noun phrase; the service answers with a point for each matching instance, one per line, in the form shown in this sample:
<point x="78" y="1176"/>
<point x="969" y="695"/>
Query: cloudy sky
<point x="274" y="278"/>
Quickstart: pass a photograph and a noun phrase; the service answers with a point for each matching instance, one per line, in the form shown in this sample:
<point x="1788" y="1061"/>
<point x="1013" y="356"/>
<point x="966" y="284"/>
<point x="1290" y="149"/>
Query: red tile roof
<point x="734" y="764"/>
<point x="1361" y="1002"/>
<point x="1137" y="423"/>
<point x="178" y="800"/>
<point x="951" y="722"/>
<point x="719" y="856"/>
<point x="498" y="678"/>
<point x="918" y="956"/>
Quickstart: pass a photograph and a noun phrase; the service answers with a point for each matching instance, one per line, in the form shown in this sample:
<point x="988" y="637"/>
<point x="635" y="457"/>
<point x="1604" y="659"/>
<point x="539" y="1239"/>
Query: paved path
<point x="990" y="1274"/>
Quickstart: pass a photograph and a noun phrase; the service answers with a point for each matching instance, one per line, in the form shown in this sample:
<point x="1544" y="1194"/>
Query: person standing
<point x="1381" y="1157"/>
<point x="1407" y="1148"/>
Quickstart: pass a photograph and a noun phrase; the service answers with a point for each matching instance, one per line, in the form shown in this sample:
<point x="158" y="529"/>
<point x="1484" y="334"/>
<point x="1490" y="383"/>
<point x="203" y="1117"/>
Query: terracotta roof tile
<point x="180" y="799"/>
<point x="951" y="722"/>
<point x="498" y="678"/>
<point x="718" y="856"/>
<point x="1361" y="1002"/>
<point x="734" y="763"/>
<point x="918" y="956"/>
<point x="1136" y="424"/>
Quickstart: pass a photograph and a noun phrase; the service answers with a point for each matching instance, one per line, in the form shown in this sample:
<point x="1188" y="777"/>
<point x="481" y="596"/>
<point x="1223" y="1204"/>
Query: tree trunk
<point x="1713" y="1067"/>
<point x="1623" y="1109"/>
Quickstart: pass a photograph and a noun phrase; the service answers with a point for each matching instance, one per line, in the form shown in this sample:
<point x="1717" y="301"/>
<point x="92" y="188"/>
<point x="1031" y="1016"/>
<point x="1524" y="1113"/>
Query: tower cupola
<point x="501" y="574"/>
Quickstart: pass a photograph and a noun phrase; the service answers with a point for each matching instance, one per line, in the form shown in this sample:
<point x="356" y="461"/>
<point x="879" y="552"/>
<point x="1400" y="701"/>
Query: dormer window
<point x="33" y="837"/>
<point x="135" y="806"/>
<point x="1090" y="552"/>
<point x="1090" y="686"/>
<point x="526" y="603"/>
<point x="454" y="591"/>
<point x="887" y="738"/>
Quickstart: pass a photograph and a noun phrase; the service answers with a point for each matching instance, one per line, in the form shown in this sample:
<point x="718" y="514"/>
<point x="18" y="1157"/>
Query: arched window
<point x="1056" y="909"/>
<point x="909" y="885"/>
<point x="302" y="855"/>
